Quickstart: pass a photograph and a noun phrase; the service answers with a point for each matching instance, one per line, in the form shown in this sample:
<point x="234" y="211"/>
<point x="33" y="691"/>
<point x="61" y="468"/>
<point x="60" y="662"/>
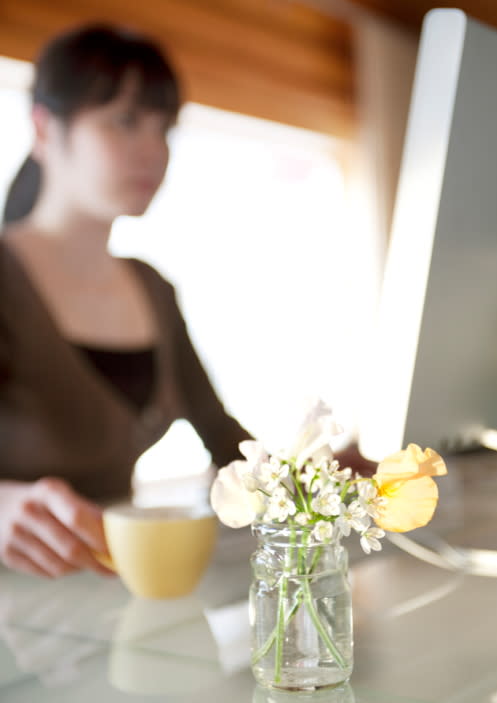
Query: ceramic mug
<point x="159" y="552"/>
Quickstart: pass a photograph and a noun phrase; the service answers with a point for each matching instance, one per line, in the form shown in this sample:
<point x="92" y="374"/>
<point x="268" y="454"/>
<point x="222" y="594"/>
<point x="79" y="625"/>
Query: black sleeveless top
<point x="131" y="372"/>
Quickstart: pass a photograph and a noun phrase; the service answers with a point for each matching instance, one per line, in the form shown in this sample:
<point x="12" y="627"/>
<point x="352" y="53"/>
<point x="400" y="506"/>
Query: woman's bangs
<point x="156" y="90"/>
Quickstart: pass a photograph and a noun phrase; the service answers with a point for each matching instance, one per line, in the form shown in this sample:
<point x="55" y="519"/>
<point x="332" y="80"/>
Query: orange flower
<point x="410" y="494"/>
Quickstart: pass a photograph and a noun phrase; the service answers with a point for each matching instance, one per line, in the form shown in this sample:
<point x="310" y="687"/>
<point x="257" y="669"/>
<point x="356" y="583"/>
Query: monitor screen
<point x="432" y="377"/>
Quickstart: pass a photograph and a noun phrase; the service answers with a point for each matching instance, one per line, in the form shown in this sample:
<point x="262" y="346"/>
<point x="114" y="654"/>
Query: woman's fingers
<point x="25" y="552"/>
<point x="82" y="518"/>
<point x="18" y="561"/>
<point x="67" y="545"/>
<point x="47" y="529"/>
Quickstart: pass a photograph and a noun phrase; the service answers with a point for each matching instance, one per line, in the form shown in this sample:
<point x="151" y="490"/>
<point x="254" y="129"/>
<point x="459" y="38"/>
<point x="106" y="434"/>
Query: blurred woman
<point x="95" y="359"/>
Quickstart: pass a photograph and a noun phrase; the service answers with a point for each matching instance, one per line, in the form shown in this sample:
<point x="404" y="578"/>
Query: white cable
<point x="477" y="562"/>
<point x="452" y="560"/>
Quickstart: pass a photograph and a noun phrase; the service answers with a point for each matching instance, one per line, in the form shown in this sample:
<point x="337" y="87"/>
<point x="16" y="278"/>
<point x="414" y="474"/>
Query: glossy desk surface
<point x="423" y="633"/>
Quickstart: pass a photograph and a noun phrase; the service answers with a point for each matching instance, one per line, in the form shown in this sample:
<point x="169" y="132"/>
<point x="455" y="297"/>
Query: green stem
<point x="315" y="559"/>
<point x="262" y="651"/>
<point x="304" y="593"/>
<point x="308" y="600"/>
<point x="298" y="488"/>
<point x="282" y="596"/>
<point x="280" y="628"/>
<point x="344" y="490"/>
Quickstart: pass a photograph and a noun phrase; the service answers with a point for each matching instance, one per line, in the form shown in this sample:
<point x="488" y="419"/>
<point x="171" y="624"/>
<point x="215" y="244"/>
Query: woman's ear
<point x="42" y="120"/>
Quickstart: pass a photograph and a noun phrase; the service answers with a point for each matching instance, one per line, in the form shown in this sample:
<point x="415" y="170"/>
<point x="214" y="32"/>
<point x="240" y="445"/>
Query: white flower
<point x="280" y="506"/>
<point x="232" y="502"/>
<point x="271" y="473"/>
<point x="367" y="490"/>
<point x="329" y="473"/>
<point x="325" y="469"/>
<point x="253" y="452"/>
<point x="249" y="480"/>
<point x="323" y="531"/>
<point x="342" y="475"/>
<point x="306" y="477"/>
<point x="328" y="465"/>
<point x="314" y="436"/>
<point x="352" y="516"/>
<point x="369" y="499"/>
<point x="327" y="503"/>
<point x="370" y="539"/>
<point x="255" y="455"/>
<point x="315" y="478"/>
<point x="302" y="518"/>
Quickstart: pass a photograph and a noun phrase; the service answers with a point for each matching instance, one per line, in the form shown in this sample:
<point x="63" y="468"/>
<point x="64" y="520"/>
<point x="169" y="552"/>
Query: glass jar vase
<point x="300" y="610"/>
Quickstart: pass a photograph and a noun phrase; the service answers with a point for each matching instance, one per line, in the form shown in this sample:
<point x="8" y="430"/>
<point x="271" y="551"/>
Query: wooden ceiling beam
<point x="275" y="59"/>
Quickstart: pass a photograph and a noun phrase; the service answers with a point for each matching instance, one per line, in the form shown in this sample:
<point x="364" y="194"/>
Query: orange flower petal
<point x="433" y="464"/>
<point x="410" y="503"/>
<point x="411" y="462"/>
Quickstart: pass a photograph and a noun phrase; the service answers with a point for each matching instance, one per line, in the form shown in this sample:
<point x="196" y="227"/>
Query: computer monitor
<point x="433" y="362"/>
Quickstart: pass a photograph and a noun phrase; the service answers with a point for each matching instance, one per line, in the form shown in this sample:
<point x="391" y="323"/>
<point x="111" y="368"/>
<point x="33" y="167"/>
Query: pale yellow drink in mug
<point x="159" y="552"/>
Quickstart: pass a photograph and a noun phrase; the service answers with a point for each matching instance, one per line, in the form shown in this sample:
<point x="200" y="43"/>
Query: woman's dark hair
<point x="83" y="68"/>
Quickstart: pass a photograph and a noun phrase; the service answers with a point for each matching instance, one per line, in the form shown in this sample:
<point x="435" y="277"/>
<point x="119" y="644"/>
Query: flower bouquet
<point x="301" y="504"/>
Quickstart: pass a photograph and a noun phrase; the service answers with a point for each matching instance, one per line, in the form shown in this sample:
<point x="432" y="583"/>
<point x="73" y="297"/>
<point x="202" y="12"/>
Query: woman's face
<point x="110" y="159"/>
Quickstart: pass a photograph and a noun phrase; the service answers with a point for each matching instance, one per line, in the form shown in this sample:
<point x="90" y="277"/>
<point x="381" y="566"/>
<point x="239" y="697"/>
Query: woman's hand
<point x="49" y="530"/>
